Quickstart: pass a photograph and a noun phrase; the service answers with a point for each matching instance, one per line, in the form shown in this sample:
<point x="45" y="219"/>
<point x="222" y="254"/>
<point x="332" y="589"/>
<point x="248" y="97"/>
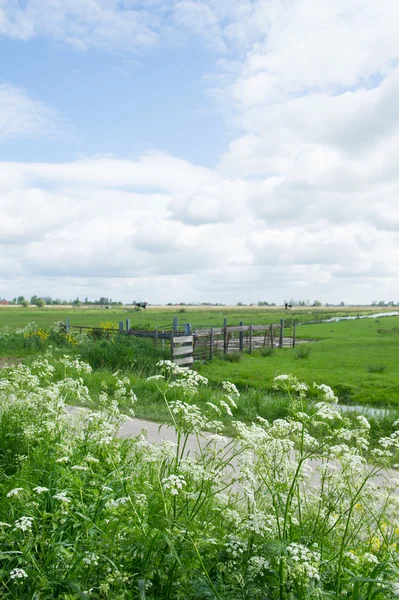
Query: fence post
<point x="211" y="344"/>
<point x="271" y="336"/>
<point x="294" y="335"/>
<point x="156" y="337"/>
<point x="175" y="324"/>
<point x="120" y="326"/>
<point x="127" y="325"/>
<point x="171" y="345"/>
<point x="225" y="340"/>
<point x="187" y="329"/>
<point x="281" y="333"/>
<point x="241" y="338"/>
<point x="250" y="339"/>
<point x="67" y="325"/>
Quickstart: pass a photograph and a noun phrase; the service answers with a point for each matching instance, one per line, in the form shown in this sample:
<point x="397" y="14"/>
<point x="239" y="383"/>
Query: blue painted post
<point x="241" y="338"/>
<point x="120" y="326"/>
<point x="175" y="324"/>
<point x="127" y="325"/>
<point x="67" y="325"/>
<point x="281" y="333"/>
<point x="187" y="329"/>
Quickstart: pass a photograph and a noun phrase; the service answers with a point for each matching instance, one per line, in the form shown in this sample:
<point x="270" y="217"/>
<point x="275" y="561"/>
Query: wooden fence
<point x="223" y="340"/>
<point x="204" y="343"/>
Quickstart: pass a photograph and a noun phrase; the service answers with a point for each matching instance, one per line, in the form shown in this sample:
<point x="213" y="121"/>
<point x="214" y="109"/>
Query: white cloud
<point x="116" y="25"/>
<point x="302" y="204"/>
<point x="108" y="223"/>
<point x="23" y="116"/>
<point x="80" y="23"/>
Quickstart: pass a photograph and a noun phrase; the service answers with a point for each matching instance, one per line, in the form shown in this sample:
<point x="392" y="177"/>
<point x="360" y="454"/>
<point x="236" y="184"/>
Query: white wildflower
<point x="230" y="388"/>
<point x="18" y="574"/>
<point x="371" y="558"/>
<point x="174" y="484"/>
<point x="40" y="490"/>
<point x="227" y="408"/>
<point x="14" y="492"/>
<point x="214" y="407"/>
<point x="24" y="523"/>
<point x="363" y="422"/>
<point x="62" y="459"/>
<point x="62" y="497"/>
<point x="91" y="559"/>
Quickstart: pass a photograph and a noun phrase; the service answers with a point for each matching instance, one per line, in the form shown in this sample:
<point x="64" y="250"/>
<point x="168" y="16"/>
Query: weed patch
<point x="302" y="352"/>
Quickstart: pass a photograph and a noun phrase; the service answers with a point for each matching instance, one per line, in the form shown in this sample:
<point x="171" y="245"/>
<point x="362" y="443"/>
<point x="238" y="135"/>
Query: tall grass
<point x="274" y="513"/>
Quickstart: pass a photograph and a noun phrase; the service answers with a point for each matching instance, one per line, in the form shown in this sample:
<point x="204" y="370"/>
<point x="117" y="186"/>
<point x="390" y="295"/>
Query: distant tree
<point x="34" y="299"/>
<point x="316" y="303"/>
<point x="40" y="302"/>
<point x="24" y="303"/>
<point x="240" y="304"/>
<point x="20" y="299"/>
<point x="342" y="303"/>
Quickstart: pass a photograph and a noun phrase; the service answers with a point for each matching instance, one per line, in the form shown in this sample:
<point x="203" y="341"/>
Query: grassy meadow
<point x="357" y="358"/>
<point x="16" y="316"/>
<point x="287" y="509"/>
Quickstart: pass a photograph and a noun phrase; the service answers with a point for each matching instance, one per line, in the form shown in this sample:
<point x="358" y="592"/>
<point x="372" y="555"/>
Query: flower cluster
<point x="273" y="512"/>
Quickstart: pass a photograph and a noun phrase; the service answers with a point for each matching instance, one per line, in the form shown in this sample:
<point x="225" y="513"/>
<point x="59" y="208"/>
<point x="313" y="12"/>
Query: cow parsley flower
<point x="62" y="497"/>
<point x="18" y="574"/>
<point x="174" y="484"/>
<point x="40" y="490"/>
<point x="14" y="492"/>
<point x="24" y="523"/>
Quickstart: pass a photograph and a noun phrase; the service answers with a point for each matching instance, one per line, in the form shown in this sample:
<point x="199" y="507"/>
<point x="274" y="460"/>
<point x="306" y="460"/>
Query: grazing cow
<point x="287" y="305"/>
<point x="141" y="304"/>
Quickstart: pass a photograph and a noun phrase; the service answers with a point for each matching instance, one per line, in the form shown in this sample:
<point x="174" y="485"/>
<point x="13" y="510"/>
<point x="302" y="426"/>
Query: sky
<point x="200" y="151"/>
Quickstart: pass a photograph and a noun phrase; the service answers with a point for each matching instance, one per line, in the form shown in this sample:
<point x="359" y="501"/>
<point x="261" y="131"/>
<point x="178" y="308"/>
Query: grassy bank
<point x="359" y="359"/>
<point x="85" y="514"/>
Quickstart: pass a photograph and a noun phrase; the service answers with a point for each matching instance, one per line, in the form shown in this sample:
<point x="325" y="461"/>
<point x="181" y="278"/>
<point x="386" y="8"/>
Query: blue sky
<point x="115" y="104"/>
<point x="198" y="150"/>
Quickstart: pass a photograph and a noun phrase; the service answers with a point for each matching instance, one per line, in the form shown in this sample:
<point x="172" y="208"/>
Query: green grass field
<point x="358" y="358"/>
<point x="157" y="316"/>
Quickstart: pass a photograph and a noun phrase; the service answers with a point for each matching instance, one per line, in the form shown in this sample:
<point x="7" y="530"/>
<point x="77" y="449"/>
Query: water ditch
<point x="393" y="313"/>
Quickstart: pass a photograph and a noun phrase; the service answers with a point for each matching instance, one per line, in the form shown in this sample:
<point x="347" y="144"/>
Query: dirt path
<point x="157" y="432"/>
<point x="9" y="361"/>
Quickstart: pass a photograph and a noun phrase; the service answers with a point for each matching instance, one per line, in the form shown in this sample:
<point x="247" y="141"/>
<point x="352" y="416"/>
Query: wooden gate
<point x="182" y="349"/>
